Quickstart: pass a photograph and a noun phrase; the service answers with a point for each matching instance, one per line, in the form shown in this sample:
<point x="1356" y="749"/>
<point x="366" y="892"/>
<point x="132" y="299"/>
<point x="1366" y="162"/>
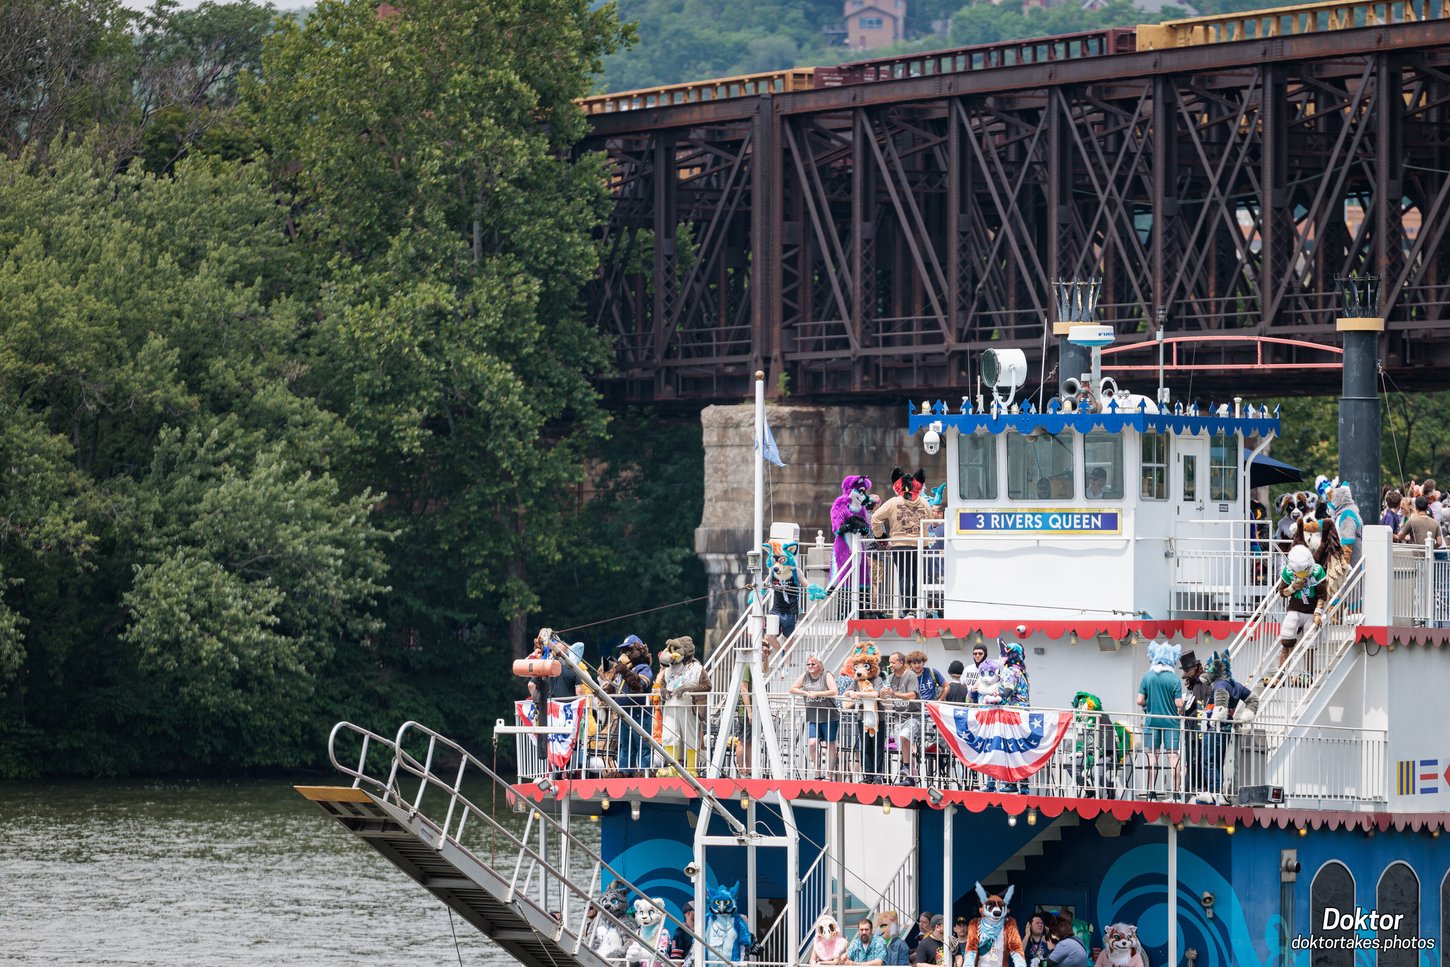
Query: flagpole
<point x="759" y="459"/>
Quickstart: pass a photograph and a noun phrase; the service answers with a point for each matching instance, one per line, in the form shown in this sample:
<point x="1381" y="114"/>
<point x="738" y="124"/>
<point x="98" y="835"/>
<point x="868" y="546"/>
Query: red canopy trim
<point x="977" y="802"/>
<point x="1402" y="636"/>
<point x="1085" y="628"/>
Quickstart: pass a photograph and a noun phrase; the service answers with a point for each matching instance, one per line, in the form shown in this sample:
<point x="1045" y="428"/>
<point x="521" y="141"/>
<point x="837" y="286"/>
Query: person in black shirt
<point x="929" y="949"/>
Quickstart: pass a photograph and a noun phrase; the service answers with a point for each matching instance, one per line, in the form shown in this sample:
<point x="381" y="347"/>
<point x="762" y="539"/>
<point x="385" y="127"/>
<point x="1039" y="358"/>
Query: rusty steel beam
<point x="869" y="240"/>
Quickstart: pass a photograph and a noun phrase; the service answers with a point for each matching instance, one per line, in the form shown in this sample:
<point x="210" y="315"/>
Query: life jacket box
<point x="785" y="531"/>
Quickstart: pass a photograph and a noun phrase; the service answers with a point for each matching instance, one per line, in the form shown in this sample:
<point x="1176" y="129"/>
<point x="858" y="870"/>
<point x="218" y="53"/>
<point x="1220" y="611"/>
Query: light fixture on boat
<point x="594" y="817"/>
<point x="1229" y="828"/>
<point x="885" y="806"/>
<point x="634" y="809"/>
<point x="1107" y="642"/>
<point x="977" y="638"/>
<point x="604" y="804"/>
<point x="1011" y="819"/>
<point x="692" y="869"/>
<point x="1004" y="369"/>
<point x="744" y="800"/>
<point x="1072" y="638"/>
<point x="1032" y="816"/>
<point x="934" y="795"/>
<point x="1303" y="830"/>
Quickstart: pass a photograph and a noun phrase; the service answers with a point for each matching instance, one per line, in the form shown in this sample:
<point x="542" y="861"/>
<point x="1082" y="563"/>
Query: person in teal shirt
<point x="1160" y="694"/>
<point x="866" y="947"/>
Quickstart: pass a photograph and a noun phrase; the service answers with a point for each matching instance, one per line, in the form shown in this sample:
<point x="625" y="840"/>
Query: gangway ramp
<point x="508" y="883"/>
<point x="475" y="891"/>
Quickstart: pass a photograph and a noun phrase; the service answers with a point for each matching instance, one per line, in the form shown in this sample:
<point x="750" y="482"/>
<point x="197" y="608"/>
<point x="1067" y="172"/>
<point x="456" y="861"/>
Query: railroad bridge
<point x="862" y="233"/>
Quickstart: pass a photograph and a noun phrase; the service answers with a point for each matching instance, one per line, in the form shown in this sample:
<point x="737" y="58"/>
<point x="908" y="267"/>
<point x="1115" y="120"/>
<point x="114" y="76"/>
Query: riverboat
<point x="1072" y="534"/>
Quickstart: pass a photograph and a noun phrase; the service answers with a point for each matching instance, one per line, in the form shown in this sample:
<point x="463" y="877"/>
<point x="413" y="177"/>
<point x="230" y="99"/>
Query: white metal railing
<point x="899" y="894"/>
<point x="1421" y="589"/>
<point x="1287" y="688"/>
<point x="1225" y="575"/>
<point x="823" y="625"/>
<point x="1259" y="637"/>
<point x="1103" y="755"/>
<point x="812" y="898"/>
<point x="555" y="872"/>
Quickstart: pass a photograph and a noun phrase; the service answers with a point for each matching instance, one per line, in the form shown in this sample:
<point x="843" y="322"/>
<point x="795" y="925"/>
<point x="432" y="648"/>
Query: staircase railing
<point x="812" y="899"/>
<point x="823" y="624"/>
<point x="1287" y="690"/>
<point x="1260" y="633"/>
<point x="536" y="880"/>
<point x="899" y="894"/>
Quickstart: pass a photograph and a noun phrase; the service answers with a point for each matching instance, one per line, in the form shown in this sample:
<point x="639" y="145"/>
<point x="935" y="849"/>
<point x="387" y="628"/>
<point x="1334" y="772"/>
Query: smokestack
<point x="1359" y="405"/>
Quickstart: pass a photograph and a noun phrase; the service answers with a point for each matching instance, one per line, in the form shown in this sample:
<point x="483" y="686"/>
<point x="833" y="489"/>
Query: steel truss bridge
<point x="869" y="239"/>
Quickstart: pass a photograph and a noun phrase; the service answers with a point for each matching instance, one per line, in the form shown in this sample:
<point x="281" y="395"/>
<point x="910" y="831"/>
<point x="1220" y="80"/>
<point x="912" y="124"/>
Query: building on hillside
<point x="874" y="23"/>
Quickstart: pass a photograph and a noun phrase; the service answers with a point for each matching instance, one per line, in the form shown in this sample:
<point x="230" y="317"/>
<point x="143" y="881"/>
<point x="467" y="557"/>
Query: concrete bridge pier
<point x="820" y="446"/>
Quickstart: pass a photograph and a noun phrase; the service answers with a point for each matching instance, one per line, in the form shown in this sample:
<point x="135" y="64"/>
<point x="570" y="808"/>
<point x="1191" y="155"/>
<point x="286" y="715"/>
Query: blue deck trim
<point x="1184" y="420"/>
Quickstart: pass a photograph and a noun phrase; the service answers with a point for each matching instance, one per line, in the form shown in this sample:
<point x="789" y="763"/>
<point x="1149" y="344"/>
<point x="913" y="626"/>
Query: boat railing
<point x="545" y="864"/>
<point x="1223" y="575"/>
<point x="1421" y="594"/>
<point x="905" y="577"/>
<point x="1113" y="755"/>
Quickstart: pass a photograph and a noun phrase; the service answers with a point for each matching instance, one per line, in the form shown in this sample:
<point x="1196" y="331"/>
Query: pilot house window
<point x="977" y="467"/>
<point x="1102" y="465"/>
<point x="1223" y="467"/>
<point x="1155" y="466"/>
<point x="1039" y="467"/>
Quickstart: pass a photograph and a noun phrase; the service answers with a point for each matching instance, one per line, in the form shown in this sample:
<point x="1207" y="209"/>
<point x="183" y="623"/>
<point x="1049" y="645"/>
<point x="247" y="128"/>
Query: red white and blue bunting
<point x="1008" y="744"/>
<point x="567" y="716"/>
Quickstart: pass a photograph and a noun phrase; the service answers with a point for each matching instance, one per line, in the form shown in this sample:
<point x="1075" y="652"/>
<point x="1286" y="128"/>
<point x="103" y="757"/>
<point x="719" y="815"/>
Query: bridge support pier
<point x="820" y="445"/>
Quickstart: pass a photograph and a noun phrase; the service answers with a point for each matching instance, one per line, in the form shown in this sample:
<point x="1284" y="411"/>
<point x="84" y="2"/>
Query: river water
<point x="213" y="873"/>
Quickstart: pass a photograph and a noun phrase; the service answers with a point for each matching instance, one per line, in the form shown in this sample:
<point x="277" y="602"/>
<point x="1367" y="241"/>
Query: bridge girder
<point x="869" y="241"/>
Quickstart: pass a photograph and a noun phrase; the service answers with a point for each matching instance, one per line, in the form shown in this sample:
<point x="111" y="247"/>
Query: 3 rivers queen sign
<point x="1049" y="520"/>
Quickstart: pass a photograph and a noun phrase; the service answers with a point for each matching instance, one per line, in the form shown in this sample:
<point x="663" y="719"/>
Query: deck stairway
<point x="1000" y="877"/>
<point x="504" y="882"/>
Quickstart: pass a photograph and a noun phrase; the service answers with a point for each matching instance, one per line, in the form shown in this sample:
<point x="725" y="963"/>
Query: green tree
<point x="180" y="563"/>
<point x="427" y="150"/>
<point x="63" y="64"/>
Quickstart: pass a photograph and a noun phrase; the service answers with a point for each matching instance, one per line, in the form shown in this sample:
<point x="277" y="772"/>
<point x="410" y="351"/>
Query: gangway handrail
<point x="406" y="762"/>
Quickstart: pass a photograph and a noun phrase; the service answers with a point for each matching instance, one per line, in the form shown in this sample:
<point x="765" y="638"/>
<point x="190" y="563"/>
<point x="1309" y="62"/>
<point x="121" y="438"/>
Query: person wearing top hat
<point x="1197" y="694"/>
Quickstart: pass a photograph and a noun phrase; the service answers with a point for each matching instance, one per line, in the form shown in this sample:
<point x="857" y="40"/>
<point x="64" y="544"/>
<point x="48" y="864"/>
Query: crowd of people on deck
<point x="864" y="721"/>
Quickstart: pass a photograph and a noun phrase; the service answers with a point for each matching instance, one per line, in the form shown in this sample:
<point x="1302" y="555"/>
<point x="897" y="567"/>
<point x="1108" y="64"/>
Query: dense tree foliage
<point x="295" y="402"/>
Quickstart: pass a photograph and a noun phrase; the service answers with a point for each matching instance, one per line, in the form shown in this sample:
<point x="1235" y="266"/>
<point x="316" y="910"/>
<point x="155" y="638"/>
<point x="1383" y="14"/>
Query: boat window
<point x="1223" y="467"/>
<point x="1399" y="895"/>
<point x="1190" y="477"/>
<point x="1333" y="886"/>
<point x="1039" y="466"/>
<point x="1155" y="466"/>
<point x="977" y="466"/>
<point x="1102" y="465"/>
